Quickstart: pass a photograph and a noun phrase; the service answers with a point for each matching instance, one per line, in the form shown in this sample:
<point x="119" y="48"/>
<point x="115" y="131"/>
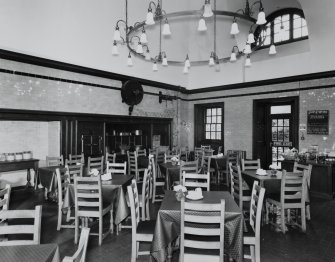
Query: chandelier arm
<point x="257" y="2"/>
<point x="152" y="3"/>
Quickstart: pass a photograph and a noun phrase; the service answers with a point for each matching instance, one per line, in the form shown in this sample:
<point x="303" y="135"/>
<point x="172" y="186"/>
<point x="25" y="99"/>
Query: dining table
<point x="30" y="253"/>
<point x="171" y="173"/>
<point x="48" y="179"/>
<point x="168" y="221"/>
<point x="113" y="191"/>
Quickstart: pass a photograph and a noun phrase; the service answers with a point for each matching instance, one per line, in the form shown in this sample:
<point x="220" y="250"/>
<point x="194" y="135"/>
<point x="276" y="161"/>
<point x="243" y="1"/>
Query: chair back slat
<point x="55" y="160"/>
<point x="77" y="158"/>
<point x="80" y="254"/>
<point x="250" y="164"/>
<point x="202" y="219"/>
<point x="236" y="184"/>
<point x="141" y="152"/>
<point x="256" y="205"/>
<point x="187" y="167"/>
<point x="134" y="203"/>
<point x="194" y="180"/>
<point x="110" y="157"/>
<point x="73" y="170"/>
<point x="96" y="163"/>
<point x="293" y="186"/>
<point x="26" y="229"/>
<point x="116" y="168"/>
<point x="5" y="197"/>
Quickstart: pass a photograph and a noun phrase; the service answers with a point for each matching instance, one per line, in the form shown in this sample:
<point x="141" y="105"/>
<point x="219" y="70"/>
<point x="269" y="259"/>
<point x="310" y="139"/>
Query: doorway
<point x="275" y="128"/>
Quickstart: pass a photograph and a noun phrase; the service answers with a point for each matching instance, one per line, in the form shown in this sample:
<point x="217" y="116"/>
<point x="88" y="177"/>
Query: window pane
<point x="213" y="119"/>
<point x="208" y="135"/>
<point x="209" y="112"/>
<point x="209" y="120"/>
<point x="286" y="134"/>
<point x="304" y="31"/>
<point x="219" y="118"/>
<point x="280" y="110"/>
<point x="213" y="135"/>
<point x="213" y="111"/>
<point x="219" y="111"/>
<point x="218" y="127"/>
<point x="213" y="127"/>
<point x="286" y="18"/>
<point x="280" y="134"/>
<point x="280" y="122"/>
<point x="297" y="33"/>
<point x="303" y="22"/>
<point x="274" y="122"/>
<point x="208" y="127"/>
<point x="297" y="23"/>
<point x="274" y="134"/>
<point x="218" y="135"/>
<point x="286" y="122"/>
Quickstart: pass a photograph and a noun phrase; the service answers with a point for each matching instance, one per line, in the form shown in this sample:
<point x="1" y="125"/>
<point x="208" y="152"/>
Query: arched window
<point x="283" y="26"/>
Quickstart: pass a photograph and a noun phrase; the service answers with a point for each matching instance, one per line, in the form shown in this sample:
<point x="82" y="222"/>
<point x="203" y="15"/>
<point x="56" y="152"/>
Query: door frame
<point x="294" y="101"/>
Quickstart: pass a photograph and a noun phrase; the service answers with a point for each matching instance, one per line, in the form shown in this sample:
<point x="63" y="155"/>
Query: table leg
<point x="28" y="185"/>
<point x="169" y="253"/>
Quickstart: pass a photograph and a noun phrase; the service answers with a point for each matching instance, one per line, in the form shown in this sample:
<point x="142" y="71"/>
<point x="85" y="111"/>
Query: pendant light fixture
<point x="208" y="12"/>
<point x="117" y="35"/>
<point x="129" y="61"/>
<point x="211" y="60"/>
<point x="248" y="61"/>
<point x="247" y="49"/>
<point x="155" y="67"/>
<point x="234" y="28"/>
<point x="166" y="28"/>
<point x="185" y="70"/>
<point x="147" y="54"/>
<point x="164" y="61"/>
<point x="150" y="17"/>
<point x="115" y="50"/>
<point x="143" y="38"/>
<point x="272" y="50"/>
<point x="261" y="20"/>
<point x="187" y="62"/>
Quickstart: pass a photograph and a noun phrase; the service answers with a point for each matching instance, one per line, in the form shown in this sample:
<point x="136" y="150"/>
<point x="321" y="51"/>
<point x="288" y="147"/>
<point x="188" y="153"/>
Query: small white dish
<point x="194" y="197"/>
<point x="261" y="172"/>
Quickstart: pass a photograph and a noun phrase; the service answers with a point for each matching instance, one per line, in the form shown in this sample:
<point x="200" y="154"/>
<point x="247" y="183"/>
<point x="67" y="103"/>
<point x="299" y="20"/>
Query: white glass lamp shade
<point x="251" y="38"/>
<point x="233" y="57"/>
<point x="272" y="50"/>
<point x="155" y="67"/>
<point x="143" y="37"/>
<point x="208" y="12"/>
<point x="117" y="35"/>
<point x="261" y="20"/>
<point x="115" y="50"/>
<point x="129" y="61"/>
<point x="165" y="61"/>
<point x="185" y="70"/>
<point x="187" y="62"/>
<point x="202" y="25"/>
<point x="147" y="55"/>
<point x="247" y="49"/>
<point x="234" y="28"/>
<point x="150" y="18"/>
<point x="166" y="28"/>
<point x="211" y="61"/>
<point x="247" y="62"/>
<point x="139" y="48"/>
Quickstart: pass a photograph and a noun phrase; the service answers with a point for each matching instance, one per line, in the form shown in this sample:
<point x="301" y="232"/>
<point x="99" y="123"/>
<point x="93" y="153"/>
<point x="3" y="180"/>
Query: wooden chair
<point x="96" y="163"/>
<point x="159" y="159"/>
<point x="205" y="147"/>
<point x="26" y="229"/>
<point x="206" y="165"/>
<point x="73" y="170"/>
<point x="196" y="180"/>
<point x="187" y="167"/>
<point x="184" y="155"/>
<point x="142" y="231"/>
<point x="72" y="162"/>
<point x="145" y="195"/>
<point x="232" y="157"/>
<point x="55" y="160"/>
<point x="117" y="168"/>
<point x="110" y="157"/>
<point x="89" y="203"/>
<point x="236" y="186"/>
<point x="157" y="182"/>
<point x="141" y="152"/>
<point x="252" y="238"/>
<point x="133" y="165"/>
<point x="308" y="168"/>
<point x="80" y="254"/>
<point x="78" y="158"/>
<point x="62" y="181"/>
<point x="292" y="196"/>
<point x="198" y="152"/>
<point x="167" y="158"/>
<point x="200" y="223"/>
<point x="5" y="198"/>
<point x="250" y="164"/>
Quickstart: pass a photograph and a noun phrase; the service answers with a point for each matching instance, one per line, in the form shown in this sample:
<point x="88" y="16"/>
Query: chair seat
<point x="146" y="227"/>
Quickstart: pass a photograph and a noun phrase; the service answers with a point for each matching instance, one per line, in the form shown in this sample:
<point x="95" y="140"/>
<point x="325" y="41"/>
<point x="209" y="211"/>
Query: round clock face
<point x="132" y="92"/>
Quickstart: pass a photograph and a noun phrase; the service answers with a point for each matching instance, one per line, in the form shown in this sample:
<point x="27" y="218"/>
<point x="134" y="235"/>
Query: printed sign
<point x="318" y="122"/>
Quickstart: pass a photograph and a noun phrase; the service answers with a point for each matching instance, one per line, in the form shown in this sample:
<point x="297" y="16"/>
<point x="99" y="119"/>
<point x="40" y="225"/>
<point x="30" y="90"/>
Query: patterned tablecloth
<point x="168" y="224"/>
<point x="113" y="191"/>
<point x="30" y="253"/>
<point x="171" y="173"/>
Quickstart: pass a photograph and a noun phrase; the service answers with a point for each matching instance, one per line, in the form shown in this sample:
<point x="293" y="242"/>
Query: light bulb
<point x="202" y="25"/>
<point x="150" y="18"/>
<point x="166" y="28"/>
<point x="155" y="67"/>
<point x="261" y="20"/>
<point x="232" y="57"/>
<point x="247" y="49"/>
<point x="234" y="28"/>
<point x="248" y="61"/>
<point x="117" y="35"/>
<point x="272" y="50"/>
<point x="211" y="60"/>
<point x="143" y="37"/>
<point x="251" y="38"/>
<point x="165" y="61"/>
<point x="208" y="12"/>
<point x="185" y="70"/>
<point x="129" y="61"/>
<point x="115" y="50"/>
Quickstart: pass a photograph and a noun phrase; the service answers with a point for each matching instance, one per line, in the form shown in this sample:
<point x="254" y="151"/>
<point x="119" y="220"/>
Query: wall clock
<point x="132" y="94"/>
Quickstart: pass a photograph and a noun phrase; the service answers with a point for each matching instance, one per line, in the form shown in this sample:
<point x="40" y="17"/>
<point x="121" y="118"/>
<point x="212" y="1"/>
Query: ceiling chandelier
<point x="136" y="39"/>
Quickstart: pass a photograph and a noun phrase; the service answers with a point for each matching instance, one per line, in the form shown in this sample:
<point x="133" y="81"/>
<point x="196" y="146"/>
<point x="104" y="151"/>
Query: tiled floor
<point x="318" y="244"/>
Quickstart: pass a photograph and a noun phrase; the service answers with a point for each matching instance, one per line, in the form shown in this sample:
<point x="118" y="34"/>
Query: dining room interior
<point x="193" y="130"/>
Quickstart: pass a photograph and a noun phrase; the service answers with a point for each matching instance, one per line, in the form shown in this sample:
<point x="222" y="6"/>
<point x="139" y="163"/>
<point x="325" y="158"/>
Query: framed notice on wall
<point x="318" y="122"/>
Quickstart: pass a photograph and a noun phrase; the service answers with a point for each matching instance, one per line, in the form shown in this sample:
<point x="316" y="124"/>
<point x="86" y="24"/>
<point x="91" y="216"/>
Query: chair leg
<point x="282" y="218"/>
<point x="308" y="212"/>
<point x="303" y="219"/>
<point x="147" y="211"/>
<point x="137" y="248"/>
<point x="100" y="230"/>
<point x="267" y="207"/>
<point x="133" y="249"/>
<point x="59" y="222"/>
<point x="257" y="251"/>
<point x="252" y="253"/>
<point x="112" y="222"/>
<point x="153" y="194"/>
<point x="76" y="228"/>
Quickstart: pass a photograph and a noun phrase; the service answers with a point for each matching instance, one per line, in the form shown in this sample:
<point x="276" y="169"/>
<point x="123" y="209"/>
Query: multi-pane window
<point x="213" y="123"/>
<point x="284" y="26"/>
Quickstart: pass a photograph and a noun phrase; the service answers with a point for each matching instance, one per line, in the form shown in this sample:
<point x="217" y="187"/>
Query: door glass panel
<point x="213" y="111"/>
<point x="208" y="127"/>
<point x="274" y="122"/>
<point x="209" y="120"/>
<point x="274" y="134"/>
<point x="213" y="119"/>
